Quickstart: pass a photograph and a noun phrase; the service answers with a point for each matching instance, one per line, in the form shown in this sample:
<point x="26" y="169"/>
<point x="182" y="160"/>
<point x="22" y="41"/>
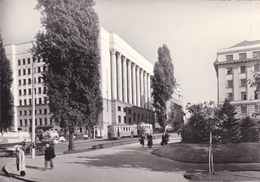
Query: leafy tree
<point x="162" y="83"/>
<point x="175" y="116"/>
<point x="203" y="119"/>
<point x="69" y="47"/>
<point x="249" y="131"/>
<point x="6" y="97"/>
<point x="229" y="126"/>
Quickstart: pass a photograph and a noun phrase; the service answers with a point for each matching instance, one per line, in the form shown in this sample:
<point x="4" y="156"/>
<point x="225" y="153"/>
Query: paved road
<point x="126" y="163"/>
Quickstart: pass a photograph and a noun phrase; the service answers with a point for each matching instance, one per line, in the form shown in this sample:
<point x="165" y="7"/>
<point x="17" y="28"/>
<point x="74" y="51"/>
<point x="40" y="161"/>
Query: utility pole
<point x="33" y="113"/>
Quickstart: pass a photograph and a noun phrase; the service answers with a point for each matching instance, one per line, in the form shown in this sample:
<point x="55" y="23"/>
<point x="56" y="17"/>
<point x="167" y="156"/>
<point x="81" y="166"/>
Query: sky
<point x="192" y="30"/>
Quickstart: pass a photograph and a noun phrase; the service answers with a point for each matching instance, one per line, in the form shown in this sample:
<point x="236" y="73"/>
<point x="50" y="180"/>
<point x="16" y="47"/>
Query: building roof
<point x="246" y="43"/>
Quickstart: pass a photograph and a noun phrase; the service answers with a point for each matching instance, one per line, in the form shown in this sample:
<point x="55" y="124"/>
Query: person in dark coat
<point x="49" y="155"/>
<point x="150" y="140"/>
<point x="165" y="139"/>
<point x="142" y="140"/>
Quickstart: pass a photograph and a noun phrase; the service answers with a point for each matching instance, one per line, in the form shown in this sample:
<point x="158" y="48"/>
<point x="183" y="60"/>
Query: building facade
<point x="235" y="67"/>
<point x="125" y="85"/>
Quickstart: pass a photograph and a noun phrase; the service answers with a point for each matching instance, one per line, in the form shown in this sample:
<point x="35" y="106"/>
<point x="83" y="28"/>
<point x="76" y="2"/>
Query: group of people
<point x="49" y="155"/>
<point x="165" y="140"/>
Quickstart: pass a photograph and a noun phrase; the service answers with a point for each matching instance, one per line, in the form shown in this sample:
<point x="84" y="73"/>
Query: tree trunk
<point x="71" y="139"/>
<point x="211" y="169"/>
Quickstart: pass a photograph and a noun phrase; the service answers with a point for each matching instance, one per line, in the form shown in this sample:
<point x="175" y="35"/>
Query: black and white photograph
<point x="129" y="90"/>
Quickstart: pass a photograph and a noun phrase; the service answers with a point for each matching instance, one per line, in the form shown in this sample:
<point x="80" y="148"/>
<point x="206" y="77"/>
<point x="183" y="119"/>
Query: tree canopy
<point x="69" y="47"/>
<point x="162" y="83"/>
<point x="6" y="96"/>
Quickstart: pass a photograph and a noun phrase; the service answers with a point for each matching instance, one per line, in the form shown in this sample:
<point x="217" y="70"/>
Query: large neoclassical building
<point x="125" y="85"/>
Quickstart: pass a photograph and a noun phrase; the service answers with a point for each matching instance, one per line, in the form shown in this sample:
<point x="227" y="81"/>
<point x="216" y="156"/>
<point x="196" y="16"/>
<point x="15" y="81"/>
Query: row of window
<point x="138" y="115"/>
<point x="42" y="121"/>
<point x="243" y="83"/>
<point x="28" y="72"/>
<point x="29" y="112"/>
<point x="242" y="56"/>
<point x="129" y="120"/>
<point x="27" y="61"/>
<point x="40" y="91"/>
<point x="25" y="103"/>
<point x="29" y="81"/>
<point x="243" y="96"/>
<point x="243" y="69"/>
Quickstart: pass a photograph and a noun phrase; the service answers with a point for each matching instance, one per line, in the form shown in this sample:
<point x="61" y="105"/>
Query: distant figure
<point x="20" y="161"/>
<point x="165" y="139"/>
<point x="150" y="140"/>
<point x="178" y="132"/>
<point x="23" y="145"/>
<point x="142" y="140"/>
<point x="49" y="155"/>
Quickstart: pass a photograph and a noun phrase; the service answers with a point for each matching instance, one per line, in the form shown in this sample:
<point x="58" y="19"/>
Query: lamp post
<point x="33" y="114"/>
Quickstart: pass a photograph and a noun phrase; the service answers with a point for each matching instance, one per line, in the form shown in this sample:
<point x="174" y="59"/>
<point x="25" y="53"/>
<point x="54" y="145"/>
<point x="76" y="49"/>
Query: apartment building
<point x="235" y="67"/>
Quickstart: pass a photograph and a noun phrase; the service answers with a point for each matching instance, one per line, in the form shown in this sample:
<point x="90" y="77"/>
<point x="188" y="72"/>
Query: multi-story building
<point x="125" y="85"/>
<point x="235" y="67"/>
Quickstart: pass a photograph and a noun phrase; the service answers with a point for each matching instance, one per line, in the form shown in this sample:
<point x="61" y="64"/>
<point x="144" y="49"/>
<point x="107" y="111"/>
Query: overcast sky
<point x="192" y="30"/>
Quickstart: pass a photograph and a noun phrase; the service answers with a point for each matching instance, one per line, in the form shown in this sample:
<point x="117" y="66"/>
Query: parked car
<point x="85" y="137"/>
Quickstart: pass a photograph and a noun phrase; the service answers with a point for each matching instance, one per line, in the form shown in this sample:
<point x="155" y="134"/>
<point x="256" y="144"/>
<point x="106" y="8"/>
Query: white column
<point x="133" y="70"/>
<point x="129" y="82"/>
<point x="148" y="91"/>
<point x="113" y="73"/>
<point x="142" y="88"/>
<point x="119" y="77"/>
<point x="145" y="90"/>
<point x="138" y="86"/>
<point x="124" y="80"/>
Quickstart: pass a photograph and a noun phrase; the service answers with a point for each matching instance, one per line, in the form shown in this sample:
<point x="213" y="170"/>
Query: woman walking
<point x="142" y="140"/>
<point x="20" y="161"/>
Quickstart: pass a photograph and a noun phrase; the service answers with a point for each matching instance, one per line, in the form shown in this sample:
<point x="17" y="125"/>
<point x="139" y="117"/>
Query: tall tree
<point x="6" y="97"/>
<point x="229" y="124"/>
<point x="69" y="47"/>
<point x="162" y="83"/>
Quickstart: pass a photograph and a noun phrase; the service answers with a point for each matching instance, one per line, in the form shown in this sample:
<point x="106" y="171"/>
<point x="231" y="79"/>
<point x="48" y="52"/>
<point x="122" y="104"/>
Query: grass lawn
<point x="223" y="153"/>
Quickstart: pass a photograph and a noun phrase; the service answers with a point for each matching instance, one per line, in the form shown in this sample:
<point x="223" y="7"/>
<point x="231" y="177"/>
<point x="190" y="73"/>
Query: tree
<point x="175" y="116"/>
<point x="249" y="132"/>
<point x="229" y="126"/>
<point x="69" y="47"/>
<point x="162" y="83"/>
<point x="6" y="97"/>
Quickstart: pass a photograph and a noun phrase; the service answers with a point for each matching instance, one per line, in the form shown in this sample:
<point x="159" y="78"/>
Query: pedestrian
<point x="178" y="132"/>
<point x="20" y="161"/>
<point x="49" y="155"/>
<point x="165" y="139"/>
<point x="142" y="140"/>
<point x="149" y="140"/>
<point x="23" y="145"/>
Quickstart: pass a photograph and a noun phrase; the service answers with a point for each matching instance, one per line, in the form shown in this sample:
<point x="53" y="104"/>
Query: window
<point x="242" y="56"/>
<point x="119" y="108"/>
<point x="24" y="113"/>
<point x="45" y="121"/>
<point x="39" y="90"/>
<point x="29" y="81"/>
<point x="25" y="122"/>
<point x="40" y="121"/>
<point x="40" y="111"/>
<point x="39" y="69"/>
<point x="24" y="71"/>
<point x="28" y="61"/>
<point x="256" y="68"/>
<point x="256" y="95"/>
<point x="45" y="100"/>
<point x="19" y="72"/>
<point x="24" y="91"/>
<point x="242" y="69"/>
<point x="40" y="100"/>
<point x="25" y="102"/>
<point x="124" y="119"/>
<point x="19" y="62"/>
<point x="20" y="113"/>
<point x="243" y="109"/>
<point x="39" y="59"/>
<point x="19" y="82"/>
<point x="29" y="71"/>
<point x="243" y="95"/>
<point x="243" y="82"/>
<point x="21" y="122"/>
<point x="129" y="120"/>
<point x="44" y="90"/>
<point x="36" y="122"/>
<point x="30" y="91"/>
<point x="45" y="111"/>
<point x="119" y="119"/>
<point x="124" y="109"/>
<point x="229" y="57"/>
<point x="229" y="83"/>
<point x="129" y="111"/>
<point x="50" y="121"/>
<point x="257" y="107"/>
<point x="30" y="112"/>
<point x="20" y="102"/>
<point x="23" y="61"/>
<point x="30" y="122"/>
<point x="30" y="101"/>
<point x="256" y="54"/>
<point x="34" y="59"/>
<point x="24" y="81"/>
<point x="20" y="92"/>
<point x="229" y="71"/>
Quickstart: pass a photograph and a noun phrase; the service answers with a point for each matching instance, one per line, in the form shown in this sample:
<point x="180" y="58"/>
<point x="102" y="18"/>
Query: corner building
<point x="125" y="85"/>
<point x="235" y="67"/>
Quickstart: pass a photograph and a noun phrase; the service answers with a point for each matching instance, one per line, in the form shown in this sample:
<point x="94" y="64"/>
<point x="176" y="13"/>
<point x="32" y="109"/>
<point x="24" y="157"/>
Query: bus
<point x="144" y="128"/>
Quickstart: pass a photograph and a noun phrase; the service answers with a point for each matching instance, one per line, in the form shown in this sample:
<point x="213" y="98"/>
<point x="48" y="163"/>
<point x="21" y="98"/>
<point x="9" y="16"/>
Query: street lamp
<point x="33" y="114"/>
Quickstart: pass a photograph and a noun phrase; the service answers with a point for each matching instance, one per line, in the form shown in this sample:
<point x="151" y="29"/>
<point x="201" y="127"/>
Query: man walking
<point x="49" y="155"/>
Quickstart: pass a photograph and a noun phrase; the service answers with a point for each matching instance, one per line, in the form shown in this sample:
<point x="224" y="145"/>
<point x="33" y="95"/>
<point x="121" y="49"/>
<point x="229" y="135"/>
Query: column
<point x="113" y="74"/>
<point x="133" y="71"/>
<point x="129" y="81"/>
<point x="124" y="79"/>
<point x="138" y="86"/>
<point x="142" y="88"/>
<point x="119" y="77"/>
<point x="148" y="91"/>
<point x="145" y="90"/>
